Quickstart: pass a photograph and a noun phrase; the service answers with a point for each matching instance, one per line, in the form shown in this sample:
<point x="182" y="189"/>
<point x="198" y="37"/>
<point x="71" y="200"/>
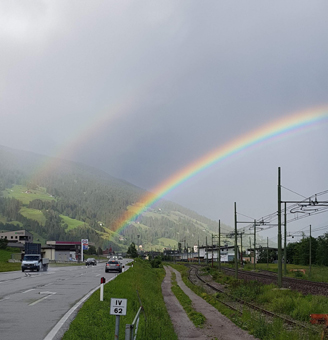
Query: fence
<point x="132" y="330"/>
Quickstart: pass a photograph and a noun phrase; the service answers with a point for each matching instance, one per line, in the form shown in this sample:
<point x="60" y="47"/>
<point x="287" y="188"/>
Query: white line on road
<point x="26" y="291"/>
<point x="37" y="301"/>
<point x="45" y="297"/>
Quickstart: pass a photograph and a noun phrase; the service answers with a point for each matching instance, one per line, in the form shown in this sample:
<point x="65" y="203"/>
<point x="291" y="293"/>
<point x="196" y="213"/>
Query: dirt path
<point x="217" y="325"/>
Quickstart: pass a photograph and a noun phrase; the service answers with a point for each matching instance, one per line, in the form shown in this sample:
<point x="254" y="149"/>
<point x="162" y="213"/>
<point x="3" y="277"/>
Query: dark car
<point x="113" y="265"/>
<point x="91" y="262"/>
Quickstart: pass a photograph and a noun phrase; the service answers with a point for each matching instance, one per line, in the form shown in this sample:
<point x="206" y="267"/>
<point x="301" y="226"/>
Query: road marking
<point x="45" y="297"/>
<point x="61" y="322"/>
<point x="5" y="298"/>
<point x="37" y="301"/>
<point x="26" y="291"/>
<point x="48" y="284"/>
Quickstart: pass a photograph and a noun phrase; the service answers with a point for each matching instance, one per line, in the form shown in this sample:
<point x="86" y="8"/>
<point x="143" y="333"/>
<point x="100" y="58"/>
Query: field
<point x="33" y="214"/>
<point x="167" y="242"/>
<point x="5" y="255"/>
<point x="23" y="194"/>
<point x="318" y="273"/>
<point x="72" y="223"/>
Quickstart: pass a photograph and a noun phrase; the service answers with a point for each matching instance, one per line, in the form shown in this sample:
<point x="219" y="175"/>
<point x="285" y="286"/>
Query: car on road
<point x="91" y="262"/>
<point x="113" y="265"/>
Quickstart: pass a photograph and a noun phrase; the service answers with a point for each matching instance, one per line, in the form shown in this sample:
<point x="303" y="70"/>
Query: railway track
<point x="238" y="304"/>
<point x="303" y="286"/>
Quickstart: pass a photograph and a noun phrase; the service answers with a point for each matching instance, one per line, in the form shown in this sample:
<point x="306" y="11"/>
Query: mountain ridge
<point x="84" y="193"/>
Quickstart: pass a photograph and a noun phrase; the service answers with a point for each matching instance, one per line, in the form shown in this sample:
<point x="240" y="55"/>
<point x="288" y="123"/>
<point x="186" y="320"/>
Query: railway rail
<point x="303" y="286"/>
<point x="237" y="304"/>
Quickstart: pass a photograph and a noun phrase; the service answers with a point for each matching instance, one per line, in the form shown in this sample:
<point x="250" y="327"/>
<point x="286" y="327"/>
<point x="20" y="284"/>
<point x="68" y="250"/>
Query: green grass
<point x="4" y="220"/>
<point x="33" y="214"/>
<point x="72" y="223"/>
<point x="167" y="242"/>
<point x="318" y="273"/>
<point x="251" y="321"/>
<point x="93" y="321"/>
<point x="198" y="319"/>
<point x="5" y="255"/>
<point x="21" y="193"/>
<point x="38" y="239"/>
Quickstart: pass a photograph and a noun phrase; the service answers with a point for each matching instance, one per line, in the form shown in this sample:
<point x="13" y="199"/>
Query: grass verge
<point x="251" y="321"/>
<point x="141" y="281"/>
<point x="198" y="319"/>
<point x="5" y="255"/>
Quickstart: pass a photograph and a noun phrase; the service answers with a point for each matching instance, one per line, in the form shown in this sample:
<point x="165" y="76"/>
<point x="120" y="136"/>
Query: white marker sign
<point x="118" y="306"/>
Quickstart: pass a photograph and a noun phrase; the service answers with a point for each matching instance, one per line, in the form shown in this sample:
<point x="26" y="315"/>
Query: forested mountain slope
<point x="70" y="201"/>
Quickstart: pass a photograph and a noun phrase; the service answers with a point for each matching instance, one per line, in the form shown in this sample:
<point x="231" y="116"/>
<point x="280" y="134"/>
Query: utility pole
<point x="219" y="248"/>
<point x="254" y="244"/>
<point x="250" y="250"/>
<point x="279" y="233"/>
<point x="241" y="249"/>
<point x="212" y="251"/>
<point x="206" y="252"/>
<point x="267" y="252"/>
<point x="310" y="260"/>
<point x="285" y="242"/>
<point x="236" y="246"/>
<point x="198" y="252"/>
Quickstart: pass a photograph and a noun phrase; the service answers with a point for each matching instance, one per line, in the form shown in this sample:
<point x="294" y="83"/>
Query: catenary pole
<point x="198" y="252"/>
<point x="310" y="260"/>
<point x="212" y="251"/>
<point x="279" y="233"/>
<point x="206" y="252"/>
<point x="219" y="250"/>
<point x="236" y="246"/>
<point x="267" y="252"/>
<point x="254" y="244"/>
<point x="250" y="249"/>
<point x="285" y="241"/>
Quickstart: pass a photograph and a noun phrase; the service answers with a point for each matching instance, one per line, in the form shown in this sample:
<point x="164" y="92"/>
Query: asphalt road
<point x="30" y="306"/>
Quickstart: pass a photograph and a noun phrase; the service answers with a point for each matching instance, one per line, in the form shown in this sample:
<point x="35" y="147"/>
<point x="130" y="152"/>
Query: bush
<point x="156" y="263"/>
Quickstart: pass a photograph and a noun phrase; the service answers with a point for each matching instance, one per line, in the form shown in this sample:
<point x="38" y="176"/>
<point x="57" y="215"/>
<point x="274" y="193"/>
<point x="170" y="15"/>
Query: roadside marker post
<point x="102" y="282"/>
<point x="118" y="308"/>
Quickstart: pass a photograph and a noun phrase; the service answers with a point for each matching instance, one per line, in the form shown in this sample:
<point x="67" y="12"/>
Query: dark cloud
<point x="197" y="75"/>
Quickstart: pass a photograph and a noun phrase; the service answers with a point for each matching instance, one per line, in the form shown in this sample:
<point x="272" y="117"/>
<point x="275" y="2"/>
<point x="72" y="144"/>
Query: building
<point x="63" y="251"/>
<point x="20" y="236"/>
<point x="206" y="254"/>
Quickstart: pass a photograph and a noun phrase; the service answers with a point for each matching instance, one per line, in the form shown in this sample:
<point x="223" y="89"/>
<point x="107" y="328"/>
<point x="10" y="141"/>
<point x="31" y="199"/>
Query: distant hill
<point x="74" y="201"/>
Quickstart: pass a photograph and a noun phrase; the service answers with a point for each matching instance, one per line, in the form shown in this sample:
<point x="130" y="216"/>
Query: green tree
<point x="3" y="243"/>
<point x="132" y="251"/>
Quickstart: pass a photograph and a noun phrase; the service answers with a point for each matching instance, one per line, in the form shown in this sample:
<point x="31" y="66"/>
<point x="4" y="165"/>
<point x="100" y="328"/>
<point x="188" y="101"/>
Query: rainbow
<point x="85" y="132"/>
<point x="275" y="129"/>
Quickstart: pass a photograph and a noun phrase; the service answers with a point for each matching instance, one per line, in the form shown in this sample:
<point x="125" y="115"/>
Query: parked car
<point x="91" y="262"/>
<point x="113" y="265"/>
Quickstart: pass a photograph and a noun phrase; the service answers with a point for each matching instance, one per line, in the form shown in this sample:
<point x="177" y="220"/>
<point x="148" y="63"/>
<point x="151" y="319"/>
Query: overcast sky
<point x="141" y="89"/>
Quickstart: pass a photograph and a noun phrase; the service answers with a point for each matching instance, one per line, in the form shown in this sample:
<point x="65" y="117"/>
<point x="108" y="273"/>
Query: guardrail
<point x="132" y="330"/>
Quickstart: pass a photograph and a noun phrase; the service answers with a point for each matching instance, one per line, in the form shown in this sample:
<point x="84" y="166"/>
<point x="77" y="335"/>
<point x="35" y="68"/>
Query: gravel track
<point x="217" y="326"/>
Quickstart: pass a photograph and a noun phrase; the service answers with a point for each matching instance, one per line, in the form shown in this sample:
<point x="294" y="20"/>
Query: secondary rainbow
<point x="275" y="129"/>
